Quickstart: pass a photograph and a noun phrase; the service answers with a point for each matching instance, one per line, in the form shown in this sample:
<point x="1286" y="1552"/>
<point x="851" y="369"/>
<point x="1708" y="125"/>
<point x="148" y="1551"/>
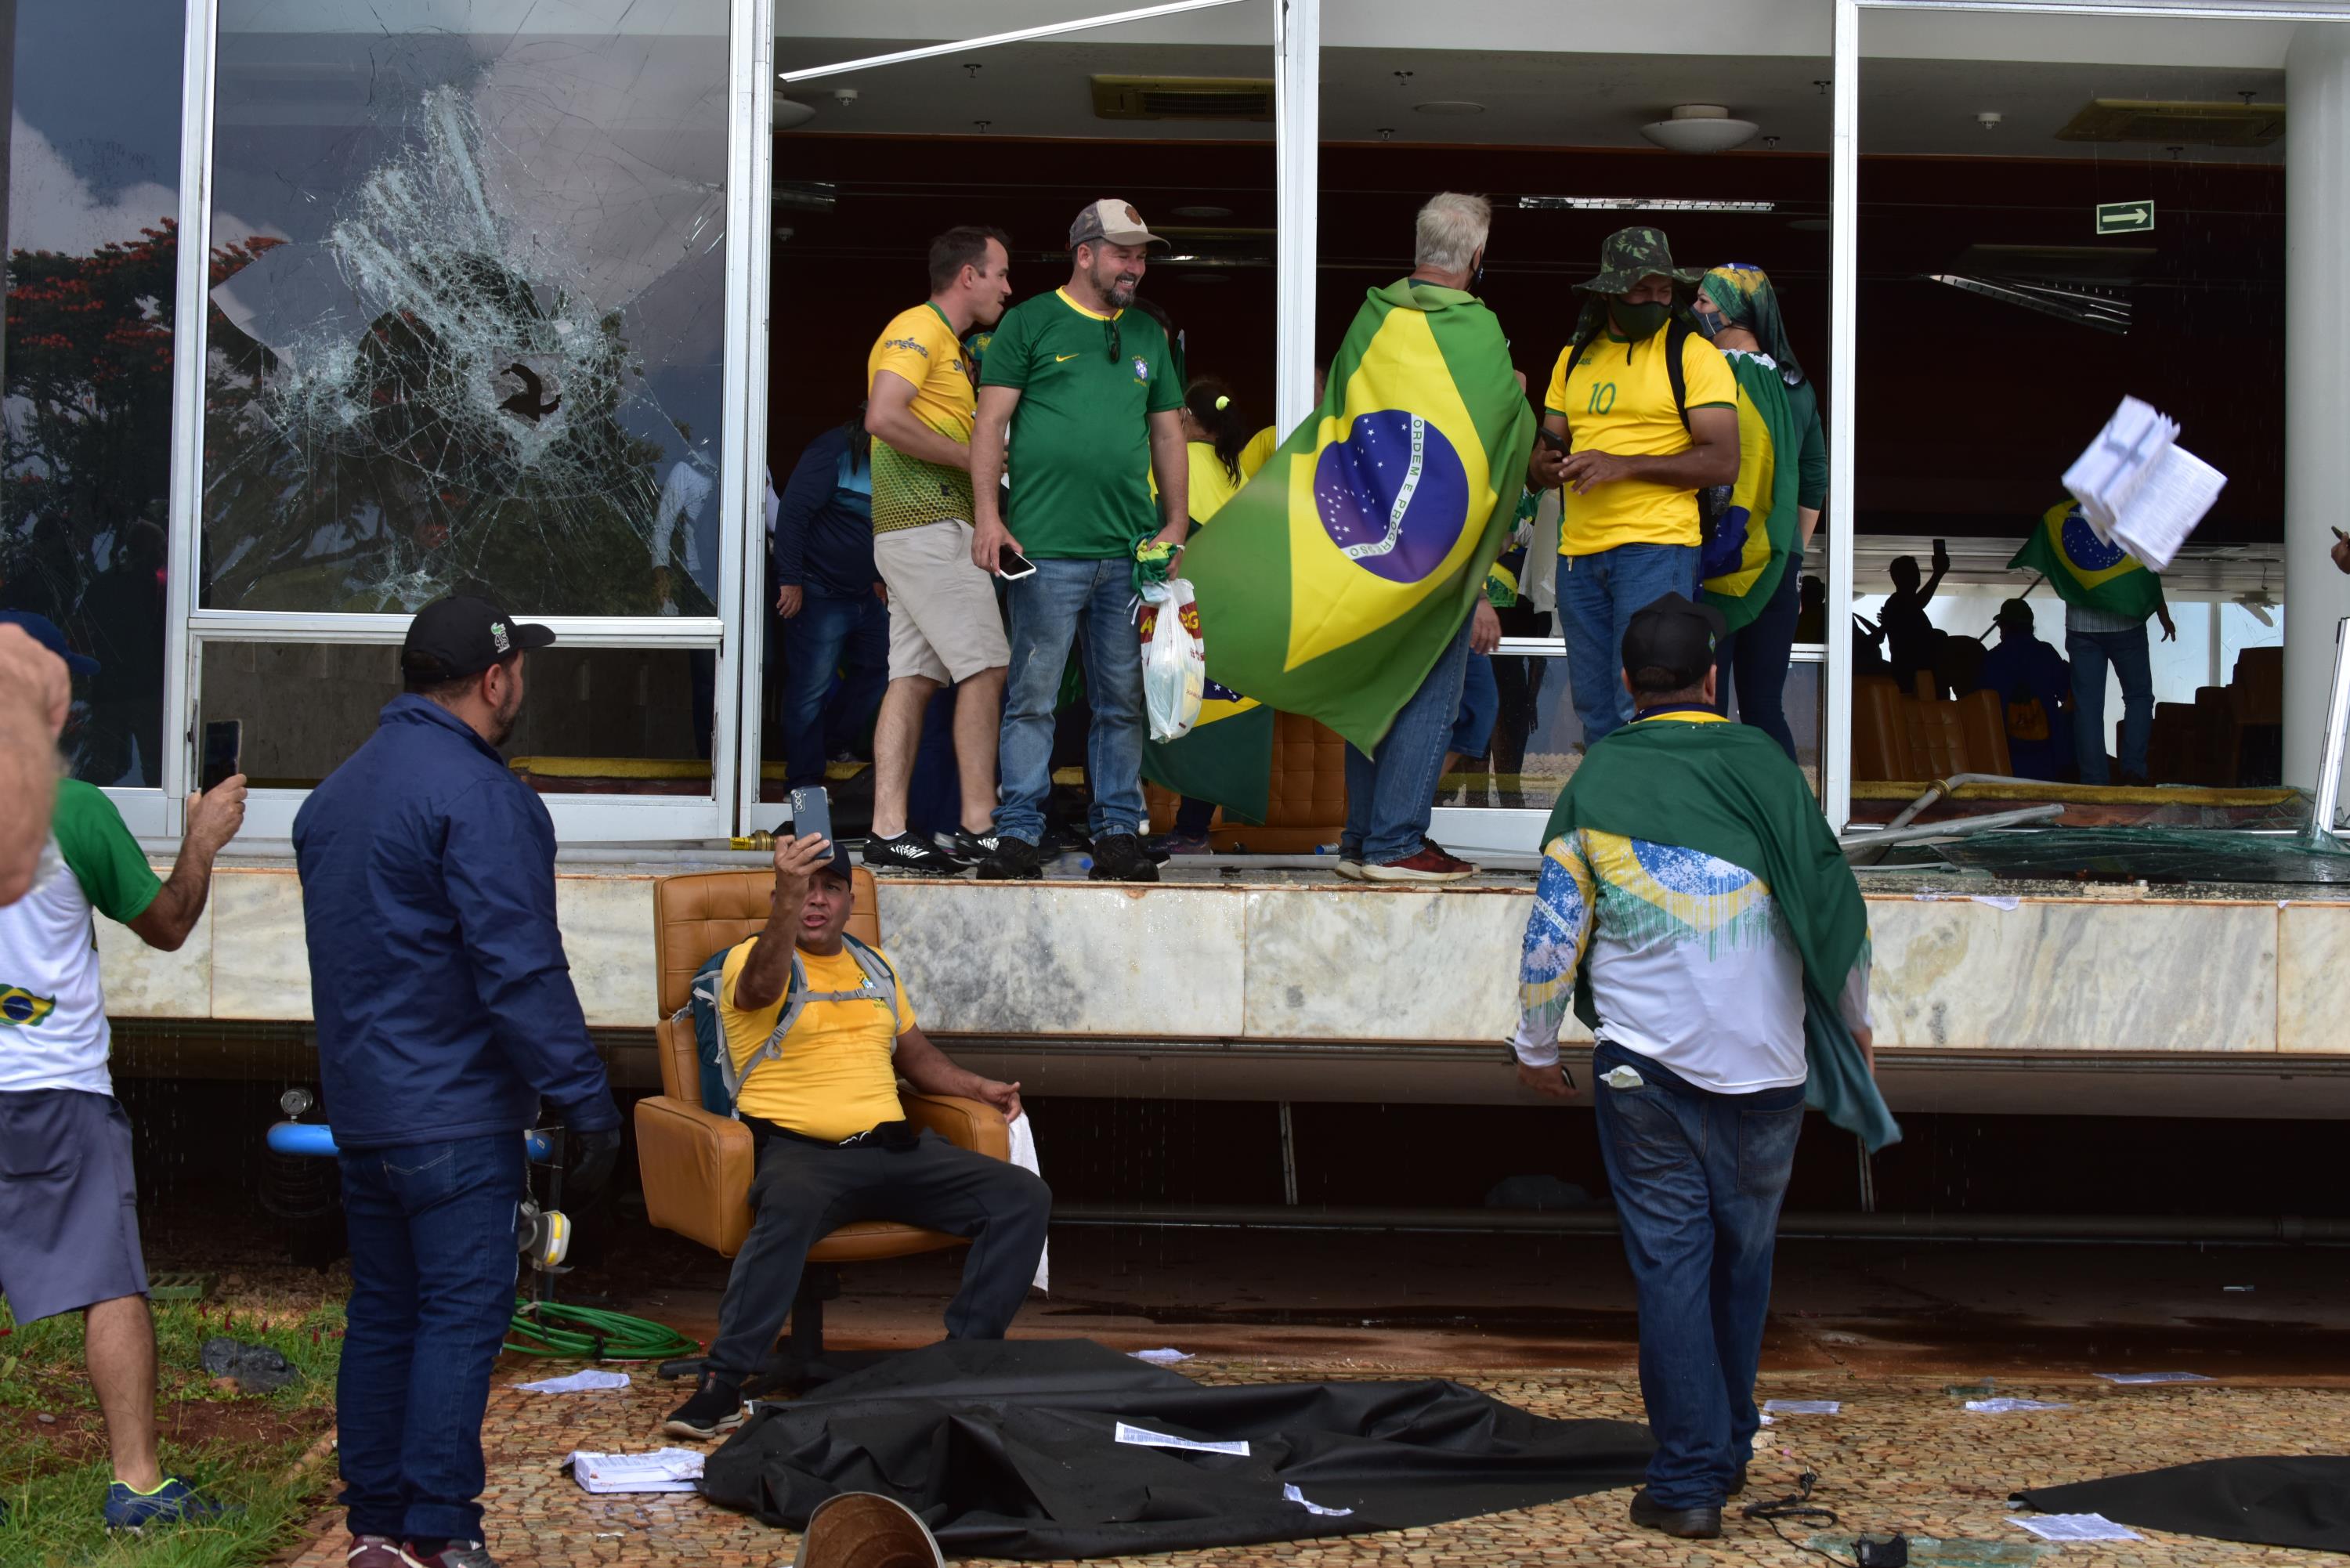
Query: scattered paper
<point x="664" y="1469"/>
<point x="2001" y="1406"/>
<point x="1770" y="1420"/>
<point x="1803" y="1406"/>
<point x="1294" y="1495"/>
<point x="588" y="1380"/>
<point x="1165" y="1356"/>
<point x="1996" y="900"/>
<point x="2138" y="488"/>
<point x="2154" y="1377"/>
<point x="2077" y="1527"/>
<point x="1023" y="1135"/>
<point x="1143" y="1438"/>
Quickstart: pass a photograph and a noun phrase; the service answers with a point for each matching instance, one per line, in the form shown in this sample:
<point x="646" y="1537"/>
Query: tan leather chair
<point x="1305" y="797"/>
<point x="696" y="1165"/>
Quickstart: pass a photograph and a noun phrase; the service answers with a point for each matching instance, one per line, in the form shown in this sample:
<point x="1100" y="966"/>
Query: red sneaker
<point x="1428" y="865"/>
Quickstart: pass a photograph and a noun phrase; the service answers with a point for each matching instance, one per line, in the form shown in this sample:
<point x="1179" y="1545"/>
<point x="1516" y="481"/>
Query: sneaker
<point x="1163" y="846"/>
<point x="374" y="1551"/>
<point x="716" y="1406"/>
<point x="1350" y="861"/>
<point x="1687" y="1523"/>
<point x="911" y="852"/>
<point x="967" y="846"/>
<point x="1118" y="858"/>
<point x="1059" y="840"/>
<point x="1429" y="865"/>
<point x="172" y="1502"/>
<point x="447" y="1554"/>
<point x="1015" y="860"/>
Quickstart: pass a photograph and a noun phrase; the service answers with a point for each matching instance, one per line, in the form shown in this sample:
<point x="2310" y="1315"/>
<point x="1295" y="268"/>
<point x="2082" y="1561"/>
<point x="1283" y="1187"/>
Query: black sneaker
<point x="716" y="1406"/>
<point x="1687" y="1523"/>
<point x="911" y="852"/>
<point x="1118" y="858"/>
<point x="968" y="847"/>
<point x="1059" y="840"/>
<point x="1015" y="860"/>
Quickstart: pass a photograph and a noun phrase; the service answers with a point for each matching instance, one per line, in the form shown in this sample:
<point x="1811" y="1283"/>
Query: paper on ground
<point x="1143" y="1438"/>
<point x="1294" y="1495"/>
<point x="587" y="1380"/>
<point x="1997" y="900"/>
<point x="2001" y="1406"/>
<point x="2154" y="1377"/>
<point x="664" y="1469"/>
<point x="1024" y="1155"/>
<point x="2077" y="1527"/>
<point x="1165" y="1356"/>
<point x="1803" y="1406"/>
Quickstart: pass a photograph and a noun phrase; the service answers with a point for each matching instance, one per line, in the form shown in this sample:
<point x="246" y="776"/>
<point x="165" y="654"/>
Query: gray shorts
<point x="69" y="1205"/>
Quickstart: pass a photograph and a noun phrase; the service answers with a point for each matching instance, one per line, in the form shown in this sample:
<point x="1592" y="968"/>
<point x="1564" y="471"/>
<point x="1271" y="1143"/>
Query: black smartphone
<point x="812" y="812"/>
<point x="1012" y="566"/>
<point x="223" y="750"/>
<point x="1550" y="438"/>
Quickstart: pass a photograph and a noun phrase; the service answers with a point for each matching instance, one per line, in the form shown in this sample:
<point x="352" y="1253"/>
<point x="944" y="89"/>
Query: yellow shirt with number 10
<point x="1621" y="400"/>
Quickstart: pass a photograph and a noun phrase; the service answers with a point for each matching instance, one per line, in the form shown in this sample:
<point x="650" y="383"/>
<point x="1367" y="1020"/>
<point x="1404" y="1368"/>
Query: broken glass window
<point x="468" y="306"/>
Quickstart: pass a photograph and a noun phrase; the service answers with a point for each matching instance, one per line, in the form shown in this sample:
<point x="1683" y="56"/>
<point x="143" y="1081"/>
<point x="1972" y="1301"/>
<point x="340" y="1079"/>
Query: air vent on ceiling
<point x="1183" y="98"/>
<point x="2176" y="124"/>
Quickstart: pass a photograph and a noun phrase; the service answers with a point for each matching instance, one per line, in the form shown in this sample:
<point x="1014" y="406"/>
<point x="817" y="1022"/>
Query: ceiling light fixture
<point x="1640" y="205"/>
<point x="1700" y="127"/>
<point x="790" y="111"/>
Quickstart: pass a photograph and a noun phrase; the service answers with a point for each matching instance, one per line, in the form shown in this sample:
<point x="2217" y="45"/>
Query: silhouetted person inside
<point x="1909" y="637"/>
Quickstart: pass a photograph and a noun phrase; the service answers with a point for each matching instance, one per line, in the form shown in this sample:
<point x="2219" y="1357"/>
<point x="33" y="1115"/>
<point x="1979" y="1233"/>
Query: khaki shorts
<point x="944" y="624"/>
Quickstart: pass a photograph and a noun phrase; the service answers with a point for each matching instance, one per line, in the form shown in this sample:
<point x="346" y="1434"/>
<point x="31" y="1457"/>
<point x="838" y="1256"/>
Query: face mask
<point x="1639" y="321"/>
<point x="1713" y="325"/>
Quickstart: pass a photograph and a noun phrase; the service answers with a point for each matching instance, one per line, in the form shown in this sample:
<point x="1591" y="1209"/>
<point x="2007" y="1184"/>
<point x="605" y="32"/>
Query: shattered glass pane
<point x="93" y="199"/>
<point x="468" y="305"/>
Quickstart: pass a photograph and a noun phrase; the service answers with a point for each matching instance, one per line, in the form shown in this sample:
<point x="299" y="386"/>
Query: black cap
<point x="459" y="636"/>
<point x="2014" y="612"/>
<point x="1676" y="635"/>
<point x="840" y="864"/>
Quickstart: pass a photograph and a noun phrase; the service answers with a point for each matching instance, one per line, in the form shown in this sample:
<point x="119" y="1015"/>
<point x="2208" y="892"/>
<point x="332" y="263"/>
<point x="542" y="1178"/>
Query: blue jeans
<point x="1597" y="596"/>
<point x="432" y="1287"/>
<point x="1480" y="704"/>
<point x="1697" y="1177"/>
<point x="1391" y="795"/>
<point x="2128" y="654"/>
<point x="816" y="641"/>
<point x="1751" y="662"/>
<point x="1047" y="614"/>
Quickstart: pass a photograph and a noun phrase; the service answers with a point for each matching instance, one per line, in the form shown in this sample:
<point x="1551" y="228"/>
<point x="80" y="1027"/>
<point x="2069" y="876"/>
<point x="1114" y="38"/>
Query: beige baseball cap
<point x="1112" y="220"/>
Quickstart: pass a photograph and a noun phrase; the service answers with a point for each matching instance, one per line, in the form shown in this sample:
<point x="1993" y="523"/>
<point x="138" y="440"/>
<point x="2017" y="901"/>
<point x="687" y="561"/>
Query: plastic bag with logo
<point x="1174" y="659"/>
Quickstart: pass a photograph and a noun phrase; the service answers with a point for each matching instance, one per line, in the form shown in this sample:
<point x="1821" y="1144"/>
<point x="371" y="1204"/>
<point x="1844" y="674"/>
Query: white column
<point x="2316" y="378"/>
<point x="1297" y="196"/>
<point x="1844" y="296"/>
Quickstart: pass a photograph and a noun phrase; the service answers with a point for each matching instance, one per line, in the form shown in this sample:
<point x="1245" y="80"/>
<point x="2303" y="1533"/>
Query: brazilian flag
<point x="1226" y="756"/>
<point x="1332" y="582"/>
<point x="1744" y="564"/>
<point x="2085" y="570"/>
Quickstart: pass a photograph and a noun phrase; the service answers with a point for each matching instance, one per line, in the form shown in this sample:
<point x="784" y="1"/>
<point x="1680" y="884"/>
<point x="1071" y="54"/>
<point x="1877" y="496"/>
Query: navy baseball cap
<point x="44" y="630"/>
<point x="1674" y="634"/>
<point x="451" y="639"/>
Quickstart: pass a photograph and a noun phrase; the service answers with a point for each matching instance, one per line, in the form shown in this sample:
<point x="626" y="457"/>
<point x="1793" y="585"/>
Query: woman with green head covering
<point x="1752" y="569"/>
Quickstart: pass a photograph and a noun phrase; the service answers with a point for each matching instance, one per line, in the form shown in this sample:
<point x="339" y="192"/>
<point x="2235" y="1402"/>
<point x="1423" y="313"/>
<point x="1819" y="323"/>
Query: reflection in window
<point x="93" y="160"/>
<point x="467" y="308"/>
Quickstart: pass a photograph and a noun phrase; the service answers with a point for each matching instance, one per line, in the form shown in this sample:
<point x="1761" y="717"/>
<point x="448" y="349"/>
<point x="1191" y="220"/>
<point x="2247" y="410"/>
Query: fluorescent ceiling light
<point x="1640" y="205"/>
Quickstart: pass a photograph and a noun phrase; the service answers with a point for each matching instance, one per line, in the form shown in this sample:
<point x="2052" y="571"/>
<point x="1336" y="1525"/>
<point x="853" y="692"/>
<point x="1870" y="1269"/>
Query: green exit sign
<point x="2125" y="217"/>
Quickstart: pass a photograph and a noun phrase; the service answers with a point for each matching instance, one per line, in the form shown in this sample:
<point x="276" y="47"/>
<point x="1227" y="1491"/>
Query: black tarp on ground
<point x="2285" y="1499"/>
<point x="1007" y="1450"/>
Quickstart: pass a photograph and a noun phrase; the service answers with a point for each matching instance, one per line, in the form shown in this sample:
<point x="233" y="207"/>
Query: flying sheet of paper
<point x="1167" y="1356"/>
<point x="1802" y="1407"/>
<point x="2001" y="1406"/>
<point x="2174" y="496"/>
<point x="2138" y="488"/>
<point x="664" y="1469"/>
<point x="2154" y="1377"/>
<point x="1143" y="1438"/>
<point x="2108" y="471"/>
<point x="588" y="1380"/>
<point x="2077" y="1527"/>
<point x="1294" y="1495"/>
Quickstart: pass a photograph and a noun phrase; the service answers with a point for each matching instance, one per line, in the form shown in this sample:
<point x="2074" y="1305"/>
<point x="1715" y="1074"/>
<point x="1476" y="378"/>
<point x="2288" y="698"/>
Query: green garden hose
<point x="556" y="1328"/>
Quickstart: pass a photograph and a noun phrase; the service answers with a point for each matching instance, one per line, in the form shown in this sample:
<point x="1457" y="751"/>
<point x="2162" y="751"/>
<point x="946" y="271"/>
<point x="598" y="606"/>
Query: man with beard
<point x="445" y="1017"/>
<point x="1092" y="396"/>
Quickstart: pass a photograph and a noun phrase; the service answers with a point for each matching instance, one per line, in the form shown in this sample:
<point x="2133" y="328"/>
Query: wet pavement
<point x="1546" y="1322"/>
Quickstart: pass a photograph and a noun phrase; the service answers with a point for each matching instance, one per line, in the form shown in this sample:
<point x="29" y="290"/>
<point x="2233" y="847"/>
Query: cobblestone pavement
<point x="1902" y="1454"/>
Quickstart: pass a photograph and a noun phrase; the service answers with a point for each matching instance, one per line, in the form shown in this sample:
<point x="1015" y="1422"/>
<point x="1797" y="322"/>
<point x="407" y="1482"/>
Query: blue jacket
<point x="824" y="531"/>
<point x="444" y="1000"/>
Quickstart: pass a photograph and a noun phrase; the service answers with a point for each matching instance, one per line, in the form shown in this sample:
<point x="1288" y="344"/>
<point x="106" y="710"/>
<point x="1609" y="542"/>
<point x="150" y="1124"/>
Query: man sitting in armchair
<point x="819" y="1032"/>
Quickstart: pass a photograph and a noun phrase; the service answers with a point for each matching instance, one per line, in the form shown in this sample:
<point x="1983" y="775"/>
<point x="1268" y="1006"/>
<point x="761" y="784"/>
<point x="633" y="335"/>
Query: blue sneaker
<point x="173" y="1502"/>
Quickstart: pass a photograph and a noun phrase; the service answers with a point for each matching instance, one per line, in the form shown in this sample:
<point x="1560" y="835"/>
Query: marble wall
<point x="1311" y="963"/>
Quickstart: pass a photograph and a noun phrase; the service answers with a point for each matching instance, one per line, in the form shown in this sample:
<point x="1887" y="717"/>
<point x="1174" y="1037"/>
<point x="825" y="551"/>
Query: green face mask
<point x="1638" y="321"/>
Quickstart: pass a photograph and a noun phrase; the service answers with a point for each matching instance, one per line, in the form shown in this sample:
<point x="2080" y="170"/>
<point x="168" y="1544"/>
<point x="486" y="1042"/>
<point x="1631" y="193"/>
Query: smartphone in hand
<point x="223" y="753"/>
<point x="812" y="812"/>
<point x="1012" y="566"/>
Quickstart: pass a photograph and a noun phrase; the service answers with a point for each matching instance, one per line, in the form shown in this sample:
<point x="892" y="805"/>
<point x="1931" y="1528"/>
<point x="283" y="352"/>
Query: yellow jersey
<point x="1261" y="447"/>
<point x="837" y="1075"/>
<point x="1210" y="485"/>
<point x="921" y="347"/>
<point x="1621" y="400"/>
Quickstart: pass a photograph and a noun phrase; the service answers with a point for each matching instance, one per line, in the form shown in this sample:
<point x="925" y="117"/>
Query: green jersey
<point x="1080" y="457"/>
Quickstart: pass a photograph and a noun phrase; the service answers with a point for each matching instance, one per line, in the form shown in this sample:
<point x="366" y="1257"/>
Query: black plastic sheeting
<point x="2287" y="1500"/>
<point x="1009" y="1450"/>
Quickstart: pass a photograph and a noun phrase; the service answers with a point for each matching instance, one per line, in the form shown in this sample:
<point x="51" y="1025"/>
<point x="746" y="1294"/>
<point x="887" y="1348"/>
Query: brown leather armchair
<point x="696" y="1165"/>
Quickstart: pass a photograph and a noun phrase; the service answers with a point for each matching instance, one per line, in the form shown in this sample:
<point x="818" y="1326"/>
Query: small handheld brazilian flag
<point x="1331" y="584"/>
<point x="2085" y="570"/>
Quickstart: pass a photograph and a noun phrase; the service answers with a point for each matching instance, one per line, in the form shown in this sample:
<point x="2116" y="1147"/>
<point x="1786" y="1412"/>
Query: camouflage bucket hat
<point x="1630" y="255"/>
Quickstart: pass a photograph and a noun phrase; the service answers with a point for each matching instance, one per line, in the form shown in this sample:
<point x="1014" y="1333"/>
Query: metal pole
<point x="1297" y="199"/>
<point x="1843" y="297"/>
<point x="749" y="250"/>
<point x="192" y="294"/>
<point x="2326" y="810"/>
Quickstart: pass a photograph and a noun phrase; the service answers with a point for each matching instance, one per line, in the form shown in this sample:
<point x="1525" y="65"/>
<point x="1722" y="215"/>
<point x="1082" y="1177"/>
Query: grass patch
<point x="239" y="1448"/>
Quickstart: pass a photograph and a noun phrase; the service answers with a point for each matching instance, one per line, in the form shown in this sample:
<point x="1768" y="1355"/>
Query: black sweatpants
<point x="803" y="1192"/>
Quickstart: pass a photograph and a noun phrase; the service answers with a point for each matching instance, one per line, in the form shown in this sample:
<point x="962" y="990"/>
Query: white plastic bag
<point x="1174" y="659"/>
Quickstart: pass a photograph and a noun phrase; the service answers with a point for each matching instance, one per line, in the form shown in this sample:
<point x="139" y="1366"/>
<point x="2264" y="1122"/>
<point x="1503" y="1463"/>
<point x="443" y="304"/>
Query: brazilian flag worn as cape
<point x="2085" y="570"/>
<point x="1333" y="581"/>
<point x="1755" y="533"/>
<point x="1728" y="791"/>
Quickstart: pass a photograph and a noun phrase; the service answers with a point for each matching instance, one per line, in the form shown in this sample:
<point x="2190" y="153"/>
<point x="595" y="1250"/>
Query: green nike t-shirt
<point x="1080" y="457"/>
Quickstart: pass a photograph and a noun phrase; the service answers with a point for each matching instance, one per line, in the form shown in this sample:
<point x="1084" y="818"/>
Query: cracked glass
<point x="467" y="306"/>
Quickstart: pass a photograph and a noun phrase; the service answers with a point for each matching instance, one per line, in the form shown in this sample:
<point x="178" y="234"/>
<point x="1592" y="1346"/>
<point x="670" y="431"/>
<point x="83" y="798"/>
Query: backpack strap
<point x="1677" y="333"/>
<point x="880" y="985"/>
